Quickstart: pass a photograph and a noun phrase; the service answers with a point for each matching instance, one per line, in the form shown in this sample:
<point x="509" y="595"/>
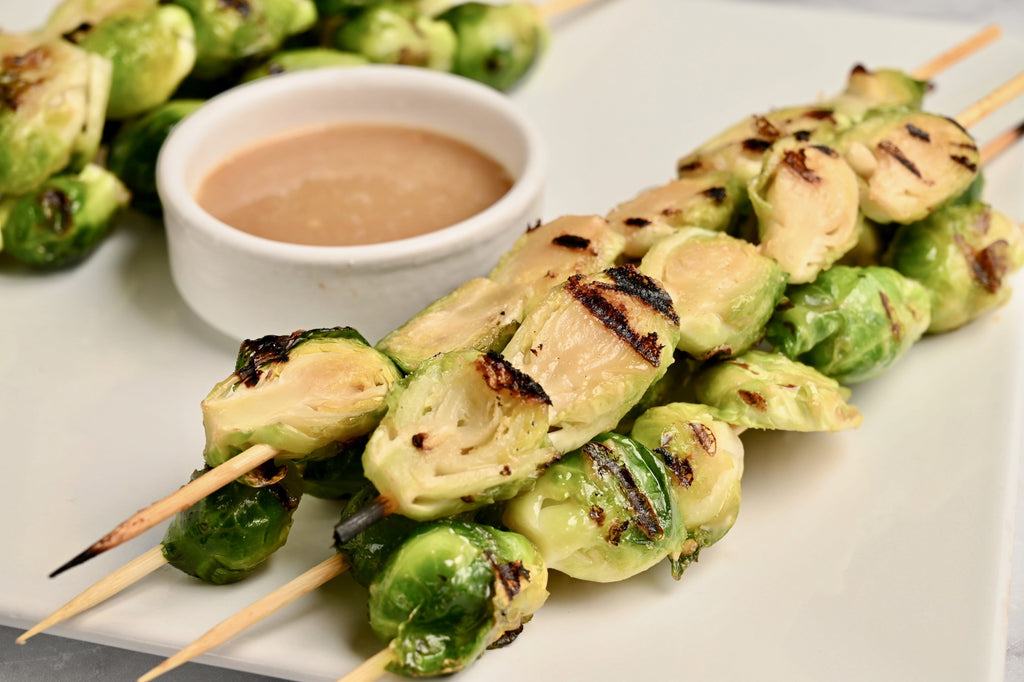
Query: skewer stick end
<point x="81" y="558"/>
<point x="373" y="512"/>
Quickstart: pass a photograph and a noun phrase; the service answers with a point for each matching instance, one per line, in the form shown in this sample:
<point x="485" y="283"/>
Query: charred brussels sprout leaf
<point x="480" y="315"/>
<point x="369" y="550"/>
<point x="53" y="96"/>
<point x="229" y="33"/>
<point x="135" y="148"/>
<point x="64" y="219"/>
<point x="303" y="59"/>
<point x="151" y="49"/>
<point x="603" y="513"/>
<point x="806" y="204"/>
<point x="769" y="391"/>
<point x="297" y="393"/>
<point x="451" y="590"/>
<point x="225" y="536"/>
<point x="596" y="344"/>
<point x="704" y="459"/>
<point x="497" y="44"/>
<point x="723" y="289"/>
<point x="391" y="33"/>
<point x="462" y="431"/>
<point x="851" y="323"/>
<point x="962" y="255"/>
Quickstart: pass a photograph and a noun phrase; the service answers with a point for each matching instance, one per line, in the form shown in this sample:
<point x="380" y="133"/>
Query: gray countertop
<point x="55" y="659"/>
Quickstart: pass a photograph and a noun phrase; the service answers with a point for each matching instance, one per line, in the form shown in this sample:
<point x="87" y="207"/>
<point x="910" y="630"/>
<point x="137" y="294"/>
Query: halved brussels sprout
<point x="371" y="548"/>
<point x="712" y="200"/>
<point x="497" y="44"/>
<point x="53" y="96"/>
<point x="394" y="33"/>
<point x="762" y="390"/>
<point x="882" y="88"/>
<point x="908" y="163"/>
<point x="806" y="202"/>
<point x="602" y="513"/>
<point x="230" y="33"/>
<point x="451" y="590"/>
<point x="549" y="253"/>
<point x="225" y="536"/>
<point x="704" y="458"/>
<point x="480" y="315"/>
<point x="851" y="323"/>
<point x="596" y="344"/>
<point x="723" y="289"/>
<point x="62" y="220"/>
<point x="463" y="431"/>
<point x="303" y="59"/>
<point x="134" y="150"/>
<point x="962" y="255"/>
<point x="297" y="393"/>
<point x="152" y="48"/>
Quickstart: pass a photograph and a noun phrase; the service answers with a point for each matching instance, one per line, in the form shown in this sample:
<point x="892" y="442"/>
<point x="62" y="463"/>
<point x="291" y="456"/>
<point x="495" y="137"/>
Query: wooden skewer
<point x="372" y="668"/>
<point x="255" y="612"/>
<point x="991" y="102"/>
<point x="180" y="500"/>
<point x="956" y="53"/>
<point x="553" y="8"/>
<point x="133" y="571"/>
<point x="1001" y="143"/>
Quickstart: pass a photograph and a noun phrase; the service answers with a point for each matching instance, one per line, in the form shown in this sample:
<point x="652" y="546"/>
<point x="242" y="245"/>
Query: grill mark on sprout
<point x="716" y="194"/>
<point x="264" y="350"/>
<point x="679" y="467"/>
<point x="572" y="241"/>
<point x="502" y="376"/>
<point x="510" y="575"/>
<point x="637" y="222"/>
<point x="705" y="437"/>
<point x="605" y="461"/>
<point x="76" y="34"/>
<point x="614" y="535"/>
<point x="918" y="133"/>
<point x="821" y="115"/>
<point x="802" y="135"/>
<point x="765" y="128"/>
<point x="57" y="210"/>
<point x="826" y="150"/>
<point x="752" y="144"/>
<point x="506" y="470"/>
<point x="896" y="153"/>
<point x="973" y="147"/>
<point x="796" y="161"/>
<point x="13" y="84"/>
<point x="596" y="514"/>
<point x="418" y="440"/>
<point x="687" y="167"/>
<point x="288" y="501"/>
<point x="965" y="162"/>
<point x="506" y="638"/>
<point x="639" y="286"/>
<point x="894" y="325"/>
<point x="754" y="400"/>
<point x="530" y="227"/>
<point x="987" y="265"/>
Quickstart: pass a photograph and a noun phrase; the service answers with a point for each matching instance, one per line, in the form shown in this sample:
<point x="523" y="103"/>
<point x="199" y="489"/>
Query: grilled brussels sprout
<point x="480" y="315"/>
<point x="872" y="240"/>
<point x="297" y="393"/>
<point x="230" y="33"/>
<point x="464" y="430"/>
<point x="497" y="44"/>
<point x="225" y="536"/>
<point x="908" y="163"/>
<point x="451" y="590"/>
<point x="806" y="204"/>
<point x="851" y="323"/>
<point x="769" y="391"/>
<point x="303" y="59"/>
<point x="151" y="48"/>
<point x="335" y="472"/>
<point x="723" y="289"/>
<point x="596" y="344"/>
<point x="883" y="88"/>
<point x="62" y="220"/>
<point x="962" y="255"/>
<point x="370" y="549"/>
<point x="548" y="254"/>
<point x="704" y="458"/>
<point x="712" y="200"/>
<point x="602" y="513"/>
<point x="393" y="33"/>
<point x="134" y="150"/>
<point x="53" y="96"/>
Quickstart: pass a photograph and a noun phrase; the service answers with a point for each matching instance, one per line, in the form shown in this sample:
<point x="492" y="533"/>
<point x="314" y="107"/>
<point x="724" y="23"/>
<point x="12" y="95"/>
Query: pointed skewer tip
<point x="81" y="558"/>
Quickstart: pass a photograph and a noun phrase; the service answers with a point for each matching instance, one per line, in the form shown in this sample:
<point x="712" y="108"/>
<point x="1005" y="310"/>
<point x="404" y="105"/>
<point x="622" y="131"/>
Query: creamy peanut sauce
<point x="349" y="184"/>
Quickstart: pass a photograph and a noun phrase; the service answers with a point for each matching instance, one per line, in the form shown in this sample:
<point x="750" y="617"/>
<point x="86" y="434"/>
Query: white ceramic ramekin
<point x="247" y="286"/>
